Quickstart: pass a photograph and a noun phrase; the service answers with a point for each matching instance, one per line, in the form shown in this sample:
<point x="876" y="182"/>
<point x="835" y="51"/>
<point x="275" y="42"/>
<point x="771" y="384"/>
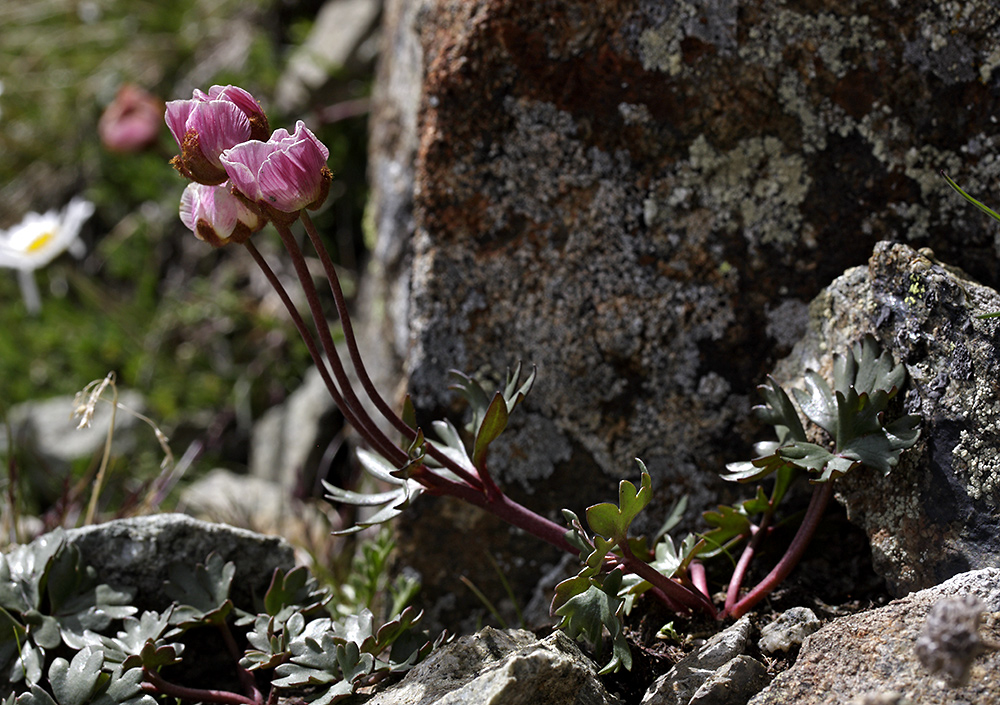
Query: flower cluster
<point x="242" y="175"/>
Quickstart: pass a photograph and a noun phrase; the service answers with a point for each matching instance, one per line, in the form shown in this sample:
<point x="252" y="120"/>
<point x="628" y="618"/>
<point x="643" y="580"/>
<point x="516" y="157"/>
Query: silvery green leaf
<point x="74" y="682"/>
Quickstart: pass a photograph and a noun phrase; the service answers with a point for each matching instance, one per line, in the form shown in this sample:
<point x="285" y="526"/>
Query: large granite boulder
<point x="640" y="198"/>
<point x="936" y="514"/>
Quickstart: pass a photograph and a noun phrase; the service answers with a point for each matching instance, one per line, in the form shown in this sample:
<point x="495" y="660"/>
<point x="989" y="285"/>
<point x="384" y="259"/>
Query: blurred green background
<point x="196" y="331"/>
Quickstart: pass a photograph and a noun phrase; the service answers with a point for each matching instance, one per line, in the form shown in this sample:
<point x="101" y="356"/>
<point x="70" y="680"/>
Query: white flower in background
<point x="39" y="239"/>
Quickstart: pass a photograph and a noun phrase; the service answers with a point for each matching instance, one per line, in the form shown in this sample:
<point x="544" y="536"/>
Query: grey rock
<point x="935" y="514"/>
<point x="950" y="641"/>
<point x="138" y="553"/>
<point x="789" y="630"/>
<point x="49" y="429"/>
<point x="679" y="685"/>
<point x="871" y="658"/>
<point x="882" y="697"/>
<point x="261" y="506"/>
<point x="338" y="32"/>
<point x="736" y="682"/>
<point x="494" y="667"/>
<point x="290" y="438"/>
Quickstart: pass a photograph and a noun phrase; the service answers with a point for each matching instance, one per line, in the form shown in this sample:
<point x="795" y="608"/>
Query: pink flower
<point x="131" y="122"/>
<point x="287" y="173"/>
<point x="218" y="217"/>
<point x="209" y="124"/>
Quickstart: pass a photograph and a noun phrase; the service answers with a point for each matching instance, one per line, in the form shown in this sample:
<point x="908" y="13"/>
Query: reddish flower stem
<point x="355" y="354"/>
<point x="698" y="578"/>
<point x="375" y="439"/>
<point x="349" y="337"/>
<point x="817" y="505"/>
<point x="501" y="506"/>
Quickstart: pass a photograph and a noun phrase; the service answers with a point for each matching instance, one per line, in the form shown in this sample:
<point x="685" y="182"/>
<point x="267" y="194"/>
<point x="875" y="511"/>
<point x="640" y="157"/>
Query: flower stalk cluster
<point x="244" y="177"/>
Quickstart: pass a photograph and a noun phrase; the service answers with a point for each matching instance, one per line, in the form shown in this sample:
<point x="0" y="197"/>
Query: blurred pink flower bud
<point x="209" y="124"/>
<point x="287" y="173"/>
<point x="131" y="122"/>
<point x="218" y="217"/>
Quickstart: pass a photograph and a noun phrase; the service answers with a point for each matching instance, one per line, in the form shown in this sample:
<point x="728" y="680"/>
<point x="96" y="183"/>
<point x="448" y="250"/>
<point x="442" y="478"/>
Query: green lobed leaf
<point x="93" y="609"/>
<point x="124" y="688"/>
<point x="389" y="632"/>
<point x="613" y="521"/>
<point x="575" y="535"/>
<point x="27" y="665"/>
<point x="24" y="571"/>
<point x="270" y="641"/>
<point x="294" y="591"/>
<point x="817" y="402"/>
<point x="779" y="411"/>
<point x="313" y="658"/>
<point x="201" y="592"/>
<point x="74" y="682"/>
<point x="473" y="393"/>
<point x="591" y="610"/>
<point x="513" y="393"/>
<point x="353" y="663"/>
<point x="35" y="696"/>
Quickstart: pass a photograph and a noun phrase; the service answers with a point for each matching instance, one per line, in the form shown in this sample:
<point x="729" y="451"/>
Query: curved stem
<point x="352" y="346"/>
<point x="156" y="684"/>
<point x="347" y="400"/>
<point x="743" y="564"/>
<point x="821" y="497"/>
<point x="349" y="337"/>
<point x="246" y="677"/>
<point x="698" y="578"/>
<point x="504" y="508"/>
<point x="690" y="599"/>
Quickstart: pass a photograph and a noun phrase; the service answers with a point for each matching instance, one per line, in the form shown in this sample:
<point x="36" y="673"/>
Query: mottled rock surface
<point x="870" y="657"/>
<point x="640" y="198"/>
<point x="138" y="553"/>
<point x="937" y="513"/>
<point x="494" y="667"/>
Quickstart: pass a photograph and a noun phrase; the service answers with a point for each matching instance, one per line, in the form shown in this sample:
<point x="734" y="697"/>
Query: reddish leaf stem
<point x="698" y="578"/>
<point x="817" y="505"/>
<point x="155" y="684"/>
<point x="247" y="679"/>
<point x="690" y="599"/>
<point x="743" y="564"/>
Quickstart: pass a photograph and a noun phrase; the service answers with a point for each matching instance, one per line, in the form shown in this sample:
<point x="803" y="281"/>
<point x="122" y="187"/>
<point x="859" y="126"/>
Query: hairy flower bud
<point x="218" y="217"/>
<point x="209" y="124"/>
<point x="285" y="174"/>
